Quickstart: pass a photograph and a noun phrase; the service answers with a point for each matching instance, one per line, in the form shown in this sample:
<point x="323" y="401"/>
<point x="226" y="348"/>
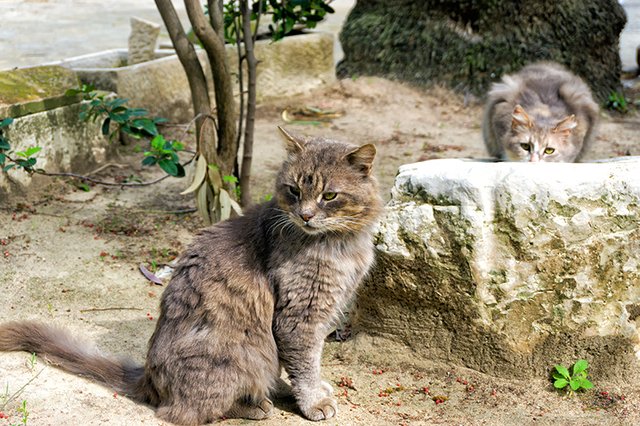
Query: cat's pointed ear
<point x="565" y="126"/>
<point x="362" y="158"/>
<point x="520" y="120"/>
<point x="295" y="145"/>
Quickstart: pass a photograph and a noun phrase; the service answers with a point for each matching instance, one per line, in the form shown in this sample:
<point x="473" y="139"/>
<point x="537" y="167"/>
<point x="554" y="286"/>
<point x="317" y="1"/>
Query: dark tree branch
<point x="102" y="182"/>
<point x="252" y="63"/>
<point x="259" y="14"/>
<point x="237" y="22"/>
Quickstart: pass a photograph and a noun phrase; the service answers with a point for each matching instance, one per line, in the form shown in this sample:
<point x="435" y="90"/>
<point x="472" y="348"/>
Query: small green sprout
<point x="572" y="382"/>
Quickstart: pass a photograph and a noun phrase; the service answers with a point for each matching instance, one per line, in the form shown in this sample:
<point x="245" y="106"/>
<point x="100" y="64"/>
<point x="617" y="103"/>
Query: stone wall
<point x="468" y="44"/>
<point x="45" y="117"/>
<point x="509" y="268"/>
<point x="291" y="66"/>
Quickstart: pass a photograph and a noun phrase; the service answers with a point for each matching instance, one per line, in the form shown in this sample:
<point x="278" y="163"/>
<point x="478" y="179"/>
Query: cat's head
<point x="326" y="186"/>
<point x="541" y="140"/>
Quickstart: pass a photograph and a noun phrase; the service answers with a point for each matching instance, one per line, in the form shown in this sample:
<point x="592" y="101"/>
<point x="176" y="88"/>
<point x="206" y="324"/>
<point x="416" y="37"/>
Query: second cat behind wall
<point x="542" y="113"/>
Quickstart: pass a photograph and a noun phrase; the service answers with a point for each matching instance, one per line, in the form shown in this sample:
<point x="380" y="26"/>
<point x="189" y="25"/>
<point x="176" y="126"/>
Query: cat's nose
<point x="306" y="216"/>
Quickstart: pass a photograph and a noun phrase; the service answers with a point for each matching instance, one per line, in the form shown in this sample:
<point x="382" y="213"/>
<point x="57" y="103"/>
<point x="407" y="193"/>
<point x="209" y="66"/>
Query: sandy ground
<point x="71" y="258"/>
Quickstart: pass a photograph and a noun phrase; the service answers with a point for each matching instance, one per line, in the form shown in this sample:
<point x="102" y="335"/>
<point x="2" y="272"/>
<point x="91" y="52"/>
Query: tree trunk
<point x="195" y="75"/>
<point x="227" y="149"/>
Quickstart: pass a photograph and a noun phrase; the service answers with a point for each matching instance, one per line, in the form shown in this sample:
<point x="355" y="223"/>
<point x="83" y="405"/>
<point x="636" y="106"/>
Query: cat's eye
<point x="294" y="191"/>
<point x="526" y="146"/>
<point x="328" y="196"/>
<point x="549" y="151"/>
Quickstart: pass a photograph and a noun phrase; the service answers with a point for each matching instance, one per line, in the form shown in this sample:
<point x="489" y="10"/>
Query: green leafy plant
<point x="286" y="16"/>
<point x="617" y="102"/>
<point x="24" y="413"/>
<point x="575" y="381"/>
<point x="132" y="121"/>
<point x="164" y="153"/>
<point x="23" y="159"/>
<point x="7" y="397"/>
<point x="233" y="181"/>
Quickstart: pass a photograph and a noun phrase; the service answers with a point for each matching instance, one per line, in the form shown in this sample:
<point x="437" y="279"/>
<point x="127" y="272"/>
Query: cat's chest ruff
<point x="333" y="262"/>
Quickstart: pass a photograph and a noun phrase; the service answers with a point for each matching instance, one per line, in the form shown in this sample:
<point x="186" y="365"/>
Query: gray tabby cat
<point x="249" y="295"/>
<point x="542" y="113"/>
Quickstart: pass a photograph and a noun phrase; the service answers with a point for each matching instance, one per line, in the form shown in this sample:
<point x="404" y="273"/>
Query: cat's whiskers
<point x="281" y="224"/>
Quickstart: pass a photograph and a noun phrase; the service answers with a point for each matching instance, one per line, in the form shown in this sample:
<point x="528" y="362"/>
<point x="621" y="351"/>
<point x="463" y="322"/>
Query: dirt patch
<point x="72" y="258"/>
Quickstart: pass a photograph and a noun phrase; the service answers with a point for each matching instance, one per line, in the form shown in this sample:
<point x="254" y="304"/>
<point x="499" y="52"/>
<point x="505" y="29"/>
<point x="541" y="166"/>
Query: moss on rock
<point x="467" y="44"/>
<point x="29" y="90"/>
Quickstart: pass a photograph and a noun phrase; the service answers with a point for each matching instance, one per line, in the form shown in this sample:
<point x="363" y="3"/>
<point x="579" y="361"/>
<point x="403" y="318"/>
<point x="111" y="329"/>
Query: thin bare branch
<point x="252" y="63"/>
<point x="105" y="183"/>
<point x="238" y="28"/>
<point x="255" y="34"/>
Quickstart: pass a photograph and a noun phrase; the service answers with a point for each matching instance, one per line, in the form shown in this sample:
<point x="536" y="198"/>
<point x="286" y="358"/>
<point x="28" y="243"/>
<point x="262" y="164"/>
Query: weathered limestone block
<point x="508" y="268"/>
<point x="46" y="117"/>
<point x="142" y="40"/>
<point x="291" y="66"/>
<point x="159" y="85"/>
<point x="68" y="144"/>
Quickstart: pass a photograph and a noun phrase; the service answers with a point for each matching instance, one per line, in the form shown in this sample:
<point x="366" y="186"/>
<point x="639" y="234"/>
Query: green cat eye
<point x="526" y="146"/>
<point x="294" y="191"/>
<point x="549" y="151"/>
<point x="328" y="196"/>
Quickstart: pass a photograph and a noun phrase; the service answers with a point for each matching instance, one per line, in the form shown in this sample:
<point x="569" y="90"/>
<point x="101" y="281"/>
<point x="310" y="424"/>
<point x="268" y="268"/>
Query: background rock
<point x="510" y="268"/>
<point x="142" y="40"/>
<point x="468" y="44"/>
<point x="68" y="145"/>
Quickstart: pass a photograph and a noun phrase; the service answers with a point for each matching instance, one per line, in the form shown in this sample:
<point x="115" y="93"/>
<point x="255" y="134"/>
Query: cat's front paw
<point x="324" y="409"/>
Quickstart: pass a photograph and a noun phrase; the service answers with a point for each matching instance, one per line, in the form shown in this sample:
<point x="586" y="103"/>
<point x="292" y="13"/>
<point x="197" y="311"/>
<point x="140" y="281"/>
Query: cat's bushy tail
<point x="68" y="353"/>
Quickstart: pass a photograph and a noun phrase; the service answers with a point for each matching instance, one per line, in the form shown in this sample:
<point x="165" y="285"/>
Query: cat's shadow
<point x="287" y="404"/>
<point x="283" y="398"/>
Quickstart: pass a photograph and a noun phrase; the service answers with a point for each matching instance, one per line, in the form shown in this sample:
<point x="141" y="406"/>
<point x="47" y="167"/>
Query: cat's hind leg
<point x="188" y="413"/>
<point x="248" y="409"/>
<point x="203" y="392"/>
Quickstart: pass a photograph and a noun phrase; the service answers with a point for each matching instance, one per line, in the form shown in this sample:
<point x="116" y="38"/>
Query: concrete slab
<point x="43" y="31"/>
<point x="630" y="37"/>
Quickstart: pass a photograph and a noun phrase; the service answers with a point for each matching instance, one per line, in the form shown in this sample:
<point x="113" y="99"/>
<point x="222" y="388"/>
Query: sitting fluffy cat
<point x="542" y="113"/>
<point x="249" y="295"/>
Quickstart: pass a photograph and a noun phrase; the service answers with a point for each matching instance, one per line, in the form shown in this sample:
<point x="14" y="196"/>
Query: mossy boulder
<point x="467" y="44"/>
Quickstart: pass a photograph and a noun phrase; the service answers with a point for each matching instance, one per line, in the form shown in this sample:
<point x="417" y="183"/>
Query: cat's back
<point x="222" y="263"/>
<point x="539" y="83"/>
<point x="553" y="85"/>
<point x="241" y="238"/>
